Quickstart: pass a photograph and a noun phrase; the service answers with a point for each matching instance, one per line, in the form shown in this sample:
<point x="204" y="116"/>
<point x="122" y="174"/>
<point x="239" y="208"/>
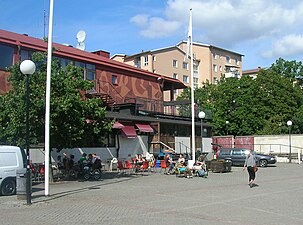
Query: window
<point x="137" y="62"/>
<point x="237" y="62"/>
<point x="228" y="59"/>
<point x="215" y="69"/>
<point x="215" y="56"/>
<point x="185" y="79"/>
<point x="185" y="65"/>
<point x="80" y="64"/>
<point x="220" y="68"/>
<point x="114" y="79"/>
<point x="6" y="56"/>
<point x="175" y="63"/>
<point x="90" y="72"/>
<point x="64" y="62"/>
<point x="196" y="82"/>
<point x="154" y="58"/>
<point x="215" y="80"/>
<point x="25" y="54"/>
<point x="145" y="60"/>
<point x="175" y="76"/>
<point x="196" y="67"/>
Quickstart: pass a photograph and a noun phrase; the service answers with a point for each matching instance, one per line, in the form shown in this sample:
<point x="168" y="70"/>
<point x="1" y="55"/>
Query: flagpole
<point x="190" y="35"/>
<point x="47" y="99"/>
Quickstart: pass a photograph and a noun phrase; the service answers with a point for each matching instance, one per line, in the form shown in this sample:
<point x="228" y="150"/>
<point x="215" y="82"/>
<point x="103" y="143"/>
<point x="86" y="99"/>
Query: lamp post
<point x="201" y="116"/>
<point x="27" y="67"/>
<point x="289" y="124"/>
<point x="227" y="124"/>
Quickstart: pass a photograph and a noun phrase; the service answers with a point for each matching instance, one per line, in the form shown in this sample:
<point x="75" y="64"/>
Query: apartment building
<point x="210" y="63"/>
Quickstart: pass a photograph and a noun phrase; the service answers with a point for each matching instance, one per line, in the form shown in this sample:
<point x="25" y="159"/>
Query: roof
<point x="210" y="46"/>
<point x="25" y="41"/>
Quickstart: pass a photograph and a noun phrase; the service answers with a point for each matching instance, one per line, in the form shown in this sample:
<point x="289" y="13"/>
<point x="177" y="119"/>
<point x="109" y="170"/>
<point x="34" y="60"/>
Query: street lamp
<point x="27" y="67"/>
<point x="227" y="124"/>
<point x="201" y="116"/>
<point x="289" y="124"/>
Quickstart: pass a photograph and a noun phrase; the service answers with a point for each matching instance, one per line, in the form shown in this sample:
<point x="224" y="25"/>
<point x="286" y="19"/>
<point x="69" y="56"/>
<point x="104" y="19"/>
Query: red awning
<point x="118" y="125"/>
<point x="144" y="128"/>
<point x="129" y="132"/>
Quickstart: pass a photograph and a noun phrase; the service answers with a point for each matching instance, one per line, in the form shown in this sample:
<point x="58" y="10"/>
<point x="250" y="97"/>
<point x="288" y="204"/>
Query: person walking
<point x="251" y="165"/>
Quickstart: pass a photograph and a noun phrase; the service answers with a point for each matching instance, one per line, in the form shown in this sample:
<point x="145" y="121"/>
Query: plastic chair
<point x="129" y="166"/>
<point x="120" y="166"/>
<point x="145" y="167"/>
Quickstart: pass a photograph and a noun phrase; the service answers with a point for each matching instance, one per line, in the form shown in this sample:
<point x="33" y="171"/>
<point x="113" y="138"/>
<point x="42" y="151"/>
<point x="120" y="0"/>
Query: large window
<point x="215" y="68"/>
<point x="6" y="56"/>
<point x="25" y="54"/>
<point x="90" y="72"/>
<point x="64" y="62"/>
<point x="175" y="76"/>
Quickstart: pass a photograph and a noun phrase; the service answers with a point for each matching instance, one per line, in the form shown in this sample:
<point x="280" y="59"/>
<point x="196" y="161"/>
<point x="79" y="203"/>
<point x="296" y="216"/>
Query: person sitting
<point x="170" y="164"/>
<point x="138" y="162"/>
<point x="200" y="168"/>
<point x="82" y="162"/>
<point x="65" y="162"/>
<point x="182" y="165"/>
<point x="96" y="161"/>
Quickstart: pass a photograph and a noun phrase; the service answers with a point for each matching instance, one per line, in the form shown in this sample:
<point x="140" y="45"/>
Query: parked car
<point x="12" y="158"/>
<point x="237" y="156"/>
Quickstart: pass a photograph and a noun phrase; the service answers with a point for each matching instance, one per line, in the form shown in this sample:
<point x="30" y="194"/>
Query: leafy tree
<point x="254" y="106"/>
<point x="69" y="108"/>
<point x="290" y="69"/>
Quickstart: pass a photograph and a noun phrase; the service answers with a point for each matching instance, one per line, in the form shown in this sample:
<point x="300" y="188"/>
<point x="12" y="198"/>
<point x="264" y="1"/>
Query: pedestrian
<point x="251" y="166"/>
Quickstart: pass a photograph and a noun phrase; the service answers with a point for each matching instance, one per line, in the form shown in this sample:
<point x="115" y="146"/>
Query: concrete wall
<point x="278" y="144"/>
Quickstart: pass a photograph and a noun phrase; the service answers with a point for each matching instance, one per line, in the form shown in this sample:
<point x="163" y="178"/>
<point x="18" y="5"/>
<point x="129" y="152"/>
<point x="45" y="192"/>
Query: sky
<point x="261" y="30"/>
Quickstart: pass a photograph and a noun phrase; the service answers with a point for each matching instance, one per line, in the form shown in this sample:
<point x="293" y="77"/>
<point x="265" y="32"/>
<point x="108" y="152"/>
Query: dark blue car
<point x="237" y="156"/>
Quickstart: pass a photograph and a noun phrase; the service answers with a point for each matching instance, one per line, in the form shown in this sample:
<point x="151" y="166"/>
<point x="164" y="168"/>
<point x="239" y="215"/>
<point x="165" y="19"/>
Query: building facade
<point x="210" y="63"/>
<point x="134" y="97"/>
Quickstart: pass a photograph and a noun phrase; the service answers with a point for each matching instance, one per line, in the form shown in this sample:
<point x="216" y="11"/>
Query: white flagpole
<point x="190" y="37"/>
<point x="47" y="99"/>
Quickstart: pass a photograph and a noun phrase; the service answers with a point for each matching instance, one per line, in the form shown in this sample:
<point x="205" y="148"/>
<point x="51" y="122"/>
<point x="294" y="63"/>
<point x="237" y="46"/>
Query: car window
<point x="236" y="152"/>
<point x="225" y="152"/>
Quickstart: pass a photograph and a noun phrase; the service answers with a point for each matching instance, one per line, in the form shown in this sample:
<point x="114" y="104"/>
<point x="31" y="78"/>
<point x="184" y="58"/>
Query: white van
<point x="12" y="158"/>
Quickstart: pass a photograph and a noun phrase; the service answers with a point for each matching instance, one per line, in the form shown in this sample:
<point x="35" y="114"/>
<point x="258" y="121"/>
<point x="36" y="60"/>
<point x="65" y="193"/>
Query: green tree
<point x="69" y="108"/>
<point x="254" y="106"/>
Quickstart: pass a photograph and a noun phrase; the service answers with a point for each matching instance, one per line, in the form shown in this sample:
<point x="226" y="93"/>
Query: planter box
<point x="220" y="166"/>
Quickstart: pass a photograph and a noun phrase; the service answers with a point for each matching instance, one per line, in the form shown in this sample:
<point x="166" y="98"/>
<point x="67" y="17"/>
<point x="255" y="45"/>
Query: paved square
<point x="222" y="198"/>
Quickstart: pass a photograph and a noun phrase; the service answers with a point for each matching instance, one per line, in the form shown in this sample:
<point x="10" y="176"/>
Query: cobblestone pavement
<point x="222" y="198"/>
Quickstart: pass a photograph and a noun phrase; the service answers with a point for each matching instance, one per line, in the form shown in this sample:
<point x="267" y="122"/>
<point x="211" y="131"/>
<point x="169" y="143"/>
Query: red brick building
<point x="134" y="97"/>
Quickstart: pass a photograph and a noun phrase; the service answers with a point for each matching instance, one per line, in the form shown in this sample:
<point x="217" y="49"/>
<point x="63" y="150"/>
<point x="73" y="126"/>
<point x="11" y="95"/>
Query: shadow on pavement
<point x="38" y="198"/>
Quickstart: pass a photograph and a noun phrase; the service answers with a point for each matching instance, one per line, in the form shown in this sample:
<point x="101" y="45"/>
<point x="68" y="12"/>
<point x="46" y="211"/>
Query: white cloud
<point x="287" y="46"/>
<point x="140" y="20"/>
<point x="155" y="27"/>
<point x="228" y="22"/>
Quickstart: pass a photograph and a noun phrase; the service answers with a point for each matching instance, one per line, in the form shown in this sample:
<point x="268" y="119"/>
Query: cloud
<point x="289" y="45"/>
<point x="155" y="27"/>
<point x="227" y="22"/>
<point x="140" y="20"/>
